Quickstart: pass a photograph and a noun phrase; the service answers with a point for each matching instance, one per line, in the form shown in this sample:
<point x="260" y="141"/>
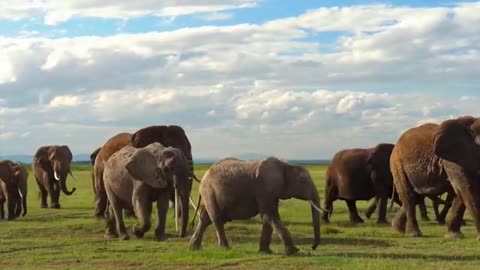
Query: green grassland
<point x="70" y="238"/>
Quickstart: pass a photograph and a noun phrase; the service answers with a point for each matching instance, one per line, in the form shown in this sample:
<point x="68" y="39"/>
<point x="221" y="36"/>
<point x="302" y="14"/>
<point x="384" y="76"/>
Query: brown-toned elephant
<point x="173" y="136"/>
<point x="51" y="166"/>
<point x="112" y="145"/>
<point x="94" y="155"/>
<point x="360" y="174"/>
<point x="9" y="191"/>
<point x="22" y="184"/>
<point x="136" y="178"/>
<point x="236" y="189"/>
<point x="431" y="159"/>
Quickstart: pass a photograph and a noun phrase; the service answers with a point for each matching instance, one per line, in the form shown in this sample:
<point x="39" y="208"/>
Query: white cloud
<point x="56" y="11"/>
<point x="217" y="16"/>
<point x="275" y="88"/>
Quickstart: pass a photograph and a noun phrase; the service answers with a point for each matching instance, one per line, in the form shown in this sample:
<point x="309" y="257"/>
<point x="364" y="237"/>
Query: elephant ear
<point x="455" y="142"/>
<point x="52" y="152"/>
<point x="271" y="171"/>
<point x="143" y="166"/>
<point x="67" y="152"/>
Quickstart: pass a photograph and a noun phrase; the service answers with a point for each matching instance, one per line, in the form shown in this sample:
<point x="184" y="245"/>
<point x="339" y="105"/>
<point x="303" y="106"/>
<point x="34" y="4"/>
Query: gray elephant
<point x="51" y="166"/>
<point x="236" y="189"/>
<point x="433" y="159"/>
<point x="136" y="178"/>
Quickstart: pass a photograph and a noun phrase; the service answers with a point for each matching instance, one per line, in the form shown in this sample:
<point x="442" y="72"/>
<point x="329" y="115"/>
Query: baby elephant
<point x="135" y="178"/>
<point x="235" y="189"/>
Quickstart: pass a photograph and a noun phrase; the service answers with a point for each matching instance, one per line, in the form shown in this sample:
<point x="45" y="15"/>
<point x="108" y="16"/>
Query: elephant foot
<point x="195" y="246"/>
<point x="325" y="221"/>
<point x="55" y="206"/>
<point x="138" y="233"/>
<point x="44" y="205"/>
<point x="110" y="235"/>
<point x="398" y="224"/>
<point x="161" y="237"/>
<point x="265" y="251"/>
<point x="356" y="220"/>
<point x="414" y="233"/>
<point x="291" y="250"/>
<point x="425" y="218"/>
<point x="455" y="235"/>
<point x="382" y="222"/>
<point x="441" y="222"/>
<point x="123" y="236"/>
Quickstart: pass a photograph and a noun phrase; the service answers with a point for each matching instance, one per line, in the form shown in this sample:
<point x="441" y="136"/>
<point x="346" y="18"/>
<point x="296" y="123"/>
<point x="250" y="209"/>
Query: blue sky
<point x="299" y="79"/>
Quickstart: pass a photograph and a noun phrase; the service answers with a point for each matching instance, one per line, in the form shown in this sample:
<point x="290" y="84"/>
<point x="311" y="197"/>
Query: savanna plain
<point x="71" y="238"/>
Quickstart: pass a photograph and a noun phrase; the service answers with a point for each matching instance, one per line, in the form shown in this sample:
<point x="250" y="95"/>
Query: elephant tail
<point x="196" y="210"/>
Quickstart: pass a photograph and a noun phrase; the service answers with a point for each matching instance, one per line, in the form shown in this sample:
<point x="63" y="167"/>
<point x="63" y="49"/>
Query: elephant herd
<point x="131" y="172"/>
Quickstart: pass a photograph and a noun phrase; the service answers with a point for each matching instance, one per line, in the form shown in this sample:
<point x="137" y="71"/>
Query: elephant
<point x="94" y="155"/>
<point x="51" y="166"/>
<point x="432" y="159"/>
<point x="360" y="174"/>
<point x="22" y="184"/>
<point x="135" y="178"/>
<point x="173" y="136"/>
<point x="237" y="189"/>
<point x="111" y="146"/>
<point x="9" y="190"/>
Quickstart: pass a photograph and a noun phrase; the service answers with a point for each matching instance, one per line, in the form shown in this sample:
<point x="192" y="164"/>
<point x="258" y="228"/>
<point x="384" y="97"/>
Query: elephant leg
<point x="352" y="208"/>
<point x="373" y="206"/>
<point x="455" y="221"/>
<point x="436" y="210"/>
<point x="448" y="204"/>
<point x="162" y="209"/>
<point x="43" y="194"/>
<point x="11" y="208"/>
<point x="56" y="195"/>
<point x="100" y="203"/>
<point x="204" y="222"/>
<point x="266" y="236"/>
<point x="118" y="213"/>
<point x="143" y="209"/>
<point x="408" y="199"/>
<point x="382" y="210"/>
<point x="423" y="209"/>
<point x="111" y="231"/>
<point x="53" y="195"/>
<point x="2" y="209"/>
<point x="468" y="192"/>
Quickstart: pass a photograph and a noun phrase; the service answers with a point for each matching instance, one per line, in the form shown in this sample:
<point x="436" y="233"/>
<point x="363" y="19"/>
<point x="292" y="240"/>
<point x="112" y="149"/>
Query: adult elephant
<point x="9" y="191"/>
<point x="51" y="166"/>
<point x="173" y="136"/>
<point x="235" y="189"/>
<point x="94" y="155"/>
<point x="431" y="159"/>
<point x="110" y="147"/>
<point x="135" y="178"/>
<point x="360" y="174"/>
<point x="22" y="184"/>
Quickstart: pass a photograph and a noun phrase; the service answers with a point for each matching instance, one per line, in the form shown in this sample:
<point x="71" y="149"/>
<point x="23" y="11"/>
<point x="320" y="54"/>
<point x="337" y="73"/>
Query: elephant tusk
<point x="71" y="174"/>
<point x="192" y="203"/>
<point x="20" y="193"/>
<point x="56" y="175"/>
<point x="176" y="210"/>
<point x="317" y="208"/>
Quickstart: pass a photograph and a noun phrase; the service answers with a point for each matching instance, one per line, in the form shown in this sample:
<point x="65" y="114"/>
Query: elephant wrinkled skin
<point x="9" y="188"/>
<point x="235" y="189"/>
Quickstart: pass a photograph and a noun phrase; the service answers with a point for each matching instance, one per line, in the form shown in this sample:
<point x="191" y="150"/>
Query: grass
<point x="70" y="238"/>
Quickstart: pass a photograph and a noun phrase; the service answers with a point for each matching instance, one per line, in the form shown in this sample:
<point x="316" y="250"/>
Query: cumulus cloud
<point x="276" y="87"/>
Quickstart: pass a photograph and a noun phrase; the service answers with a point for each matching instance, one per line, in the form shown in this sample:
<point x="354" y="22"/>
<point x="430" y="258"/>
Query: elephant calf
<point x="235" y="189"/>
<point x="135" y="178"/>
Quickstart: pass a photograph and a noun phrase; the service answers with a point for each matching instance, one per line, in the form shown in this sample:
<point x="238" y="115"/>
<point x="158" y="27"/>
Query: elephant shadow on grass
<point x="396" y="256"/>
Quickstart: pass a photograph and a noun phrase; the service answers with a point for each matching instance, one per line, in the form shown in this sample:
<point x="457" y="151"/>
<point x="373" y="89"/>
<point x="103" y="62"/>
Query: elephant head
<point x="94" y="154"/>
<point x="9" y="173"/>
<point x="160" y="167"/>
<point x="458" y="141"/>
<point x="173" y="136"/>
<point x="378" y="164"/>
<point x="60" y="158"/>
<point x="292" y="181"/>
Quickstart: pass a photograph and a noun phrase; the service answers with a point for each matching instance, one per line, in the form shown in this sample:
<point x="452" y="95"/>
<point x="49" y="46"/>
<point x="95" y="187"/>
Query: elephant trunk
<point x="315" y="207"/>
<point x="63" y="186"/>
<point x="184" y="203"/>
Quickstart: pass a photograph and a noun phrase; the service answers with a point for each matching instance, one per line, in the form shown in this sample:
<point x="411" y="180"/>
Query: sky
<point x="294" y="79"/>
